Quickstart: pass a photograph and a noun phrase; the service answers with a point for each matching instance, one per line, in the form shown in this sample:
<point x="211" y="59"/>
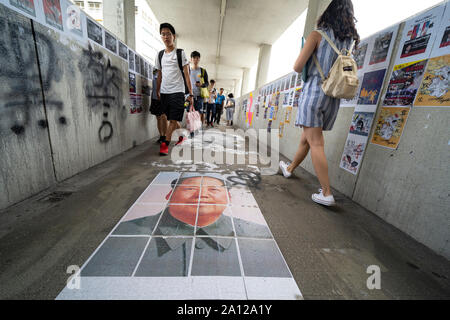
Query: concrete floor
<point x="327" y="250"/>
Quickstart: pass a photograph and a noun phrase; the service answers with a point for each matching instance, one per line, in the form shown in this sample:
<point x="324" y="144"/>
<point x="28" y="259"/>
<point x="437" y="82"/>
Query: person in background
<point x="157" y="110"/>
<point x="317" y="111"/>
<point x="211" y="104"/>
<point x="220" y="100"/>
<point x="172" y="82"/>
<point x="199" y="79"/>
<point x="229" y="107"/>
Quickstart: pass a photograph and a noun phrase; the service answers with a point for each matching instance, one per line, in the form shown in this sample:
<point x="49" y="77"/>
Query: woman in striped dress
<point x="317" y="111"/>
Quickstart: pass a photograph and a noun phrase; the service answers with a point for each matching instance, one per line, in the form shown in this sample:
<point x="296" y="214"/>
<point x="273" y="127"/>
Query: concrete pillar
<point x="245" y="81"/>
<point x="263" y="64"/>
<point x="114" y="18"/>
<point x="119" y="18"/>
<point x="315" y="10"/>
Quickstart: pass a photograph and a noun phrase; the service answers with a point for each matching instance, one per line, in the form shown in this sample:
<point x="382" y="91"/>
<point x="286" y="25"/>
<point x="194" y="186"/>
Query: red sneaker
<point x="180" y="140"/>
<point x="164" y="149"/>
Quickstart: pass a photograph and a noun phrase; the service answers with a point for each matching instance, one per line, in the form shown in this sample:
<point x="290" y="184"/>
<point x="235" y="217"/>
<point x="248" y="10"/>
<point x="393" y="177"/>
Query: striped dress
<point x="317" y="110"/>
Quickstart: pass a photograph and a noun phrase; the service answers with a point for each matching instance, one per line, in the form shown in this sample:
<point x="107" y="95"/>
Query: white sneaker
<point x="283" y="167"/>
<point x="321" y="199"/>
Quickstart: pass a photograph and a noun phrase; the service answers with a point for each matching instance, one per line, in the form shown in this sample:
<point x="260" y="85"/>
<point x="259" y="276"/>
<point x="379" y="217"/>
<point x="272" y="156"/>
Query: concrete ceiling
<point x="247" y="24"/>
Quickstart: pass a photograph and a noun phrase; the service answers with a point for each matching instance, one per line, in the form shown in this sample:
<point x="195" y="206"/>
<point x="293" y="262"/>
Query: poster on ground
<point x="404" y="83"/>
<point x="371" y="87"/>
<point x="419" y="35"/>
<point x="389" y="126"/>
<point x="434" y="90"/>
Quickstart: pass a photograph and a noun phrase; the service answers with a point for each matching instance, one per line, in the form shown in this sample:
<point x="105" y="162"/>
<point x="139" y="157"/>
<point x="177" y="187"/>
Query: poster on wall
<point x="293" y="80"/>
<point x="288" y="115"/>
<point x="297" y="94"/>
<point x="362" y="123"/>
<point x="352" y="156"/>
<point x="281" y="130"/>
<point x="95" y="32"/>
<point x="123" y="51"/>
<point x="389" y="126"/>
<point x="360" y="55"/>
<point x="110" y="42"/>
<point x="27" y="6"/>
<point x="442" y="43"/>
<point x="131" y="60"/>
<point x="137" y="63"/>
<point x="434" y="90"/>
<point x="132" y="82"/>
<point x="419" y="35"/>
<point x="269" y="126"/>
<point x="404" y="83"/>
<point x="53" y="13"/>
<point x="133" y="103"/>
<point x="371" y="87"/>
<point x="74" y="18"/>
<point x="299" y="82"/>
<point x="382" y="46"/>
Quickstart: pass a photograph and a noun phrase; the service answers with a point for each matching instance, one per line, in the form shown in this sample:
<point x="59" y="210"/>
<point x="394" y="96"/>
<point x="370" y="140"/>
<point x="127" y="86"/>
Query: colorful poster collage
<point x="67" y="18"/>
<point x="420" y="77"/>
<point x="372" y="56"/>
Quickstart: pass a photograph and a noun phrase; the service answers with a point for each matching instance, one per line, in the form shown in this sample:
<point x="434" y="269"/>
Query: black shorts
<point x="173" y="105"/>
<point x="156" y="108"/>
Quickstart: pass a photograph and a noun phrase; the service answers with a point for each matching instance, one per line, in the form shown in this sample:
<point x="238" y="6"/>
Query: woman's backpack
<point x="342" y="81"/>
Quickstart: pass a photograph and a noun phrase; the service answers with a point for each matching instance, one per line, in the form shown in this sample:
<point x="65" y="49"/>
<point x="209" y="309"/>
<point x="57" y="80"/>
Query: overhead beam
<point x="223" y="9"/>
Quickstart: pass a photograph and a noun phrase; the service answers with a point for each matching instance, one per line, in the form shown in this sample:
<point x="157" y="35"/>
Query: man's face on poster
<point x="211" y="193"/>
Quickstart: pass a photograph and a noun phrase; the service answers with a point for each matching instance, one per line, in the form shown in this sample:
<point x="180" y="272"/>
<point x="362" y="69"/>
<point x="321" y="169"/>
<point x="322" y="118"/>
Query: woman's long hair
<point x="339" y="16"/>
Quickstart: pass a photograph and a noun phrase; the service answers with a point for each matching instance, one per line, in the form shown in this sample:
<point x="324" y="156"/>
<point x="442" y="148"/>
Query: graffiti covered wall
<point x="64" y="106"/>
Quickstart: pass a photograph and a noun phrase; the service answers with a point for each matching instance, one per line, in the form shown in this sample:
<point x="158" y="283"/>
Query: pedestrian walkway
<point x="113" y="221"/>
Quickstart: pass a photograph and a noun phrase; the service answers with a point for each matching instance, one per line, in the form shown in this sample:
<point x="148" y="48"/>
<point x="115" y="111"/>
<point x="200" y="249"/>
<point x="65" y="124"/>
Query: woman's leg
<point x="301" y="154"/>
<point x="315" y="139"/>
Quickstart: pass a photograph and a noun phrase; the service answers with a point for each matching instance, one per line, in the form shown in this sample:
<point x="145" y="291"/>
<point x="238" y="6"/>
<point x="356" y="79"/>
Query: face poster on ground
<point x="371" y="87"/>
<point x="442" y="43"/>
<point x="389" y="126"/>
<point x="419" y="35"/>
<point x="434" y="91"/>
<point x="381" y="47"/>
<point x="404" y="83"/>
<point x="353" y="153"/>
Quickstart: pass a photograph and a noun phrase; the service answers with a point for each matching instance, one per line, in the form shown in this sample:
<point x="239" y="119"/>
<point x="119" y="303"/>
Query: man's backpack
<point x="342" y="81"/>
<point x="204" y="92"/>
<point x="180" y="65"/>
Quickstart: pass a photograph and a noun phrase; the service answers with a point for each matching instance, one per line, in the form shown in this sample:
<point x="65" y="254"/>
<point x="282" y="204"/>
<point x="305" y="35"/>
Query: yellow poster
<point x="287" y="117"/>
<point x="434" y="89"/>
<point x="280" y="134"/>
<point x="389" y="126"/>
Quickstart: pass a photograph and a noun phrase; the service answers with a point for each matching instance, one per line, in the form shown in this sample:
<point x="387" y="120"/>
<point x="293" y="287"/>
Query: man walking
<point x="173" y="83"/>
<point x="157" y="111"/>
<point x="220" y="100"/>
<point x="211" y="104"/>
<point x="199" y="80"/>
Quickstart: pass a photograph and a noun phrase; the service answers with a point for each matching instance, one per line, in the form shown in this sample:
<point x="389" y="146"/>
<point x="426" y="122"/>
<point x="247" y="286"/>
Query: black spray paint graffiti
<point x="246" y="178"/>
<point x="21" y="91"/>
<point x="102" y="87"/>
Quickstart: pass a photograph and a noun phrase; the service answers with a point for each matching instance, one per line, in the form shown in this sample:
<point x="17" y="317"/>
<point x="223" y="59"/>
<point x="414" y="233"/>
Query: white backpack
<point x="342" y="81"/>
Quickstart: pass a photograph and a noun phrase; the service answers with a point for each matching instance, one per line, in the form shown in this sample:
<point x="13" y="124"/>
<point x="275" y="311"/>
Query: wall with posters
<point x="64" y="97"/>
<point x="388" y="150"/>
